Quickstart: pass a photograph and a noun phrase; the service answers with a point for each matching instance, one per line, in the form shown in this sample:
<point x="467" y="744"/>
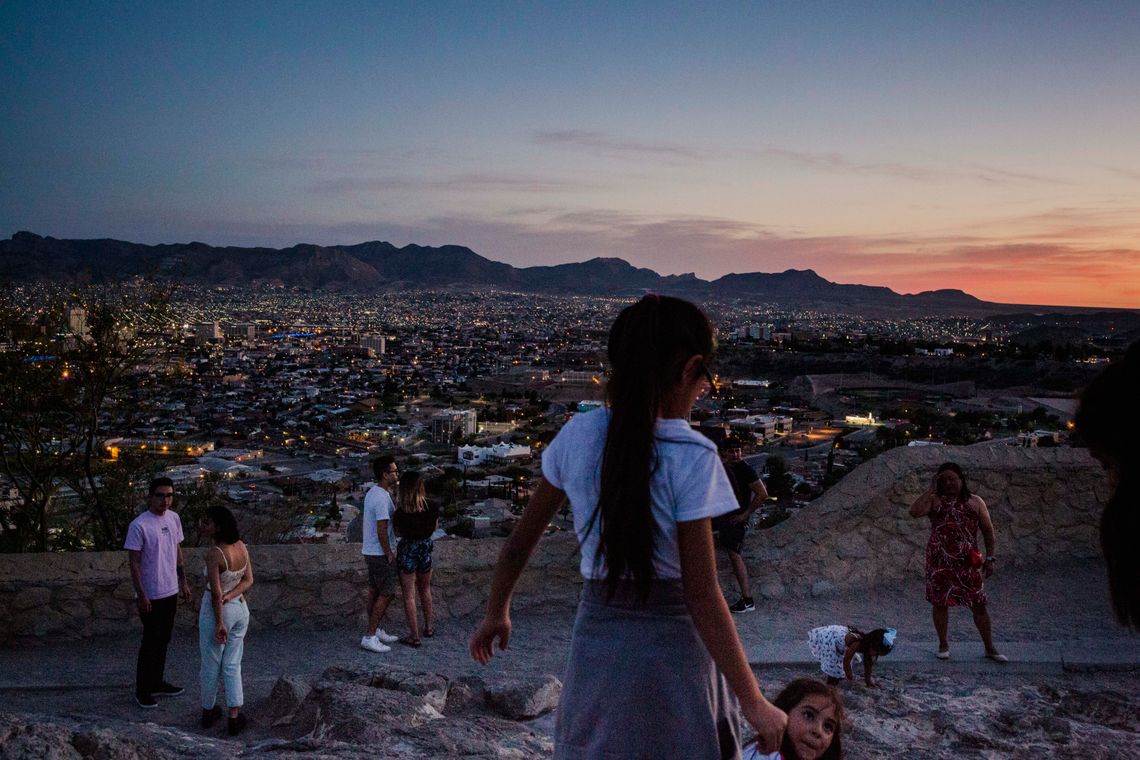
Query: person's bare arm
<point x="718" y="633"/>
<point x="385" y="546"/>
<point x="512" y="560"/>
<point x="759" y="496"/>
<point x="214" y="575"/>
<point x="926" y="503"/>
<point x="135" y="557"/>
<point x="848" y="657"/>
<point x="868" y="664"/>
<point x="987" y="527"/>
<point x="183" y="585"/>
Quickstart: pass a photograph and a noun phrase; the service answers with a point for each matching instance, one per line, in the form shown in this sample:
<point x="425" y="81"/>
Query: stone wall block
<point x="30" y="597"/>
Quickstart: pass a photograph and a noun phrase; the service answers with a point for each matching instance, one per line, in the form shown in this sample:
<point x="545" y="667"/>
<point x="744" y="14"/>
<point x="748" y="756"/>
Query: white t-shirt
<point x="689" y="483"/>
<point x="158" y="539"/>
<point x="378" y="505"/>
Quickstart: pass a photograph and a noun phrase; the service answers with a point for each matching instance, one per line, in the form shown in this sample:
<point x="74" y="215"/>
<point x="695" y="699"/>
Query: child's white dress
<point x="827" y="645"/>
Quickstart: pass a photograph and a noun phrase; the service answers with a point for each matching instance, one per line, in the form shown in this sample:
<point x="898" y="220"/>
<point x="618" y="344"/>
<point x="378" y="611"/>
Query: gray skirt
<point x="640" y="683"/>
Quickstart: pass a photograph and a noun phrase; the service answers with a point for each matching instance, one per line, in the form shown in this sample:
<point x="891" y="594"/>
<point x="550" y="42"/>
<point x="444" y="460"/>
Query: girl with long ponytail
<point x="656" y="668"/>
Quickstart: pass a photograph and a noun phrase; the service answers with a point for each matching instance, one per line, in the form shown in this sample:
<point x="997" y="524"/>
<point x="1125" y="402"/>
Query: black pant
<point x="158" y="624"/>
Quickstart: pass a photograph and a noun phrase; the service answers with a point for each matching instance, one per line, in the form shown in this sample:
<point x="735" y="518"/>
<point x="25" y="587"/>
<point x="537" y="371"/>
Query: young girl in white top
<point x="656" y="668"/>
<point x="838" y="646"/>
<point x="224" y="617"/>
<point x="815" y="722"/>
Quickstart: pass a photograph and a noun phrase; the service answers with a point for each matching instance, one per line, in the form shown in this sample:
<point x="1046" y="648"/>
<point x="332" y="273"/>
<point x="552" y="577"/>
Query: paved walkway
<point x="1048" y="623"/>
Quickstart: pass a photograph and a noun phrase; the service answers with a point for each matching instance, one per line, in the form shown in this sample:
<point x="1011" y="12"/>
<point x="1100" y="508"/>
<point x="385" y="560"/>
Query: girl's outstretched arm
<point x="848" y="656"/>
<point x="512" y="559"/>
<point x="714" y="625"/>
<point x="868" y="663"/>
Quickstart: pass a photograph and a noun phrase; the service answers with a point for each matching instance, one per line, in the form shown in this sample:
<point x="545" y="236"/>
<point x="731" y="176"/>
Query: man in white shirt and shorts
<point x="379" y="551"/>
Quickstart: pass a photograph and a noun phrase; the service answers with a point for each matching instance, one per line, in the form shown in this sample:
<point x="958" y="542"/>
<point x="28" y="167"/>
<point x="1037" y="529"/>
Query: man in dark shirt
<point x="731" y="528"/>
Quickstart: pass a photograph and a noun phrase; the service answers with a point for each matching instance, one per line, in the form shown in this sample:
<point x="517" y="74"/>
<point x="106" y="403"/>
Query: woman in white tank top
<point x="224" y="617"/>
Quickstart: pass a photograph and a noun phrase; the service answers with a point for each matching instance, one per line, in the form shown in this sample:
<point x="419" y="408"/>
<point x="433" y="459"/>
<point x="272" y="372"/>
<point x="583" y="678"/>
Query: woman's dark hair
<point x="954" y="468"/>
<point x="792" y="695"/>
<point x="225" y="525"/>
<point x="1108" y="420"/>
<point x="649" y="344"/>
<point x="872" y="643"/>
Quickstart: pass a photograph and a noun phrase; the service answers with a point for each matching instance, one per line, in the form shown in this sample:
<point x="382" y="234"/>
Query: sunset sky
<point x="992" y="147"/>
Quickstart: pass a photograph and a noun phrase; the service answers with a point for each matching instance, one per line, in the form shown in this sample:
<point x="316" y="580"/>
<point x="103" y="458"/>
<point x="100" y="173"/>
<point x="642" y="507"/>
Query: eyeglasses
<point x="712" y="389"/>
<point x="394" y="471"/>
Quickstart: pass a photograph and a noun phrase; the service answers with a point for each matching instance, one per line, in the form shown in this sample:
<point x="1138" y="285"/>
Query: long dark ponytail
<point x="649" y="345"/>
<point x="1107" y="420"/>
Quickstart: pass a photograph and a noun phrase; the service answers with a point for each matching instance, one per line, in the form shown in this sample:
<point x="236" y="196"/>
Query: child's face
<point x="811" y="725"/>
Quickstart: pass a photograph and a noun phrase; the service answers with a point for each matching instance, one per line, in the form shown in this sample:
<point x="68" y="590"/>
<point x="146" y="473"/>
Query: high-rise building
<point x="77" y="321"/>
<point x="445" y="424"/>
<point x="207" y="331"/>
<point x="377" y="343"/>
<point x="241" y="331"/>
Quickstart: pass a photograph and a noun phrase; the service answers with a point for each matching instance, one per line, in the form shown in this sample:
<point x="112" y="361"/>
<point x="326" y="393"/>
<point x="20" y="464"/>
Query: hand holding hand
<point x="482" y="641"/>
<point x="769" y="723"/>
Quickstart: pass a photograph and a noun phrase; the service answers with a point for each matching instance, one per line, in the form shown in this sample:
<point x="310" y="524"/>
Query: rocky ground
<point x="1072" y="690"/>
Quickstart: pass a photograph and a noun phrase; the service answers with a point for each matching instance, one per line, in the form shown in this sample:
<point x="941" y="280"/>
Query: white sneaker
<point x="372" y="644"/>
<point x="386" y="637"/>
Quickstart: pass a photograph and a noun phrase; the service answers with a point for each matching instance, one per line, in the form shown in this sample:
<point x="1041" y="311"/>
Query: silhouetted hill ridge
<point x="379" y="265"/>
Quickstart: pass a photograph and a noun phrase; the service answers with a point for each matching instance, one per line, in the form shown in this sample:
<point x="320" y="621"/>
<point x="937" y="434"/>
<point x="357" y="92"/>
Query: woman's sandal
<point x="429" y="633"/>
<point x="408" y="641"/>
<point x="997" y="657"/>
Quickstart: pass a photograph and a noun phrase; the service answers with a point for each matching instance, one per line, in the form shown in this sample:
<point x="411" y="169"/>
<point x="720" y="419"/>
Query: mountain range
<point x="379" y="266"/>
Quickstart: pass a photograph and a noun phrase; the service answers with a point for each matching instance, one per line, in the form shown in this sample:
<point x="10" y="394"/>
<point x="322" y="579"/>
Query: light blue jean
<point x="222" y="659"/>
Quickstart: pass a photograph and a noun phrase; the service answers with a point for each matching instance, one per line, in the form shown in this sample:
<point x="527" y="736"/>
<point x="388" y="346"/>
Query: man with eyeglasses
<point x="153" y="542"/>
<point x="379" y="551"/>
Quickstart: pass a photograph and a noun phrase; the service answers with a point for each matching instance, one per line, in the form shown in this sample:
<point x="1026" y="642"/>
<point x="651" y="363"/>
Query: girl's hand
<point x="769" y="722"/>
<point x="220" y="634"/>
<point x="482" y="641"/>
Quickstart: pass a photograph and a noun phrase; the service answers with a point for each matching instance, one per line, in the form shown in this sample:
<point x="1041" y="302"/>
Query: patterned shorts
<point x="413" y="555"/>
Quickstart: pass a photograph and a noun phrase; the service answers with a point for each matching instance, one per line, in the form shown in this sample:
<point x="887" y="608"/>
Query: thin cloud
<point x="601" y="144"/>
<point x="354" y="185"/>
<point x="1126" y="173"/>
<point x="837" y="163"/>
<point x="996" y="176"/>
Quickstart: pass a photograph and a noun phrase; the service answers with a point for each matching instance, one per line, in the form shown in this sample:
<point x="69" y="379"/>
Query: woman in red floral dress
<point x="954" y="566"/>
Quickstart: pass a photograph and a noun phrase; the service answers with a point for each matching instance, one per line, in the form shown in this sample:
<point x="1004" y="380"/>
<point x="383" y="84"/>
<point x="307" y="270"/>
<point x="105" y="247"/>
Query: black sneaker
<point x="236" y="725"/>
<point x="168" y="690"/>
<point x="744" y="605"/>
<point x="146" y="701"/>
<point x="210" y="717"/>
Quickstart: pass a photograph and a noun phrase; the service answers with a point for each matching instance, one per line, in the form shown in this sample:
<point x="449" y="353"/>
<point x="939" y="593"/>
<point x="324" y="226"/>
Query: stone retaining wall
<point x="1045" y="505"/>
<point x="82" y="594"/>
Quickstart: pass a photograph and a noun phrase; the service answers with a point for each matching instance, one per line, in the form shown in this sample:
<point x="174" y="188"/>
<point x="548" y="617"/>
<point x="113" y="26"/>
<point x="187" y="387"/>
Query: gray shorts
<point x="381" y="574"/>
